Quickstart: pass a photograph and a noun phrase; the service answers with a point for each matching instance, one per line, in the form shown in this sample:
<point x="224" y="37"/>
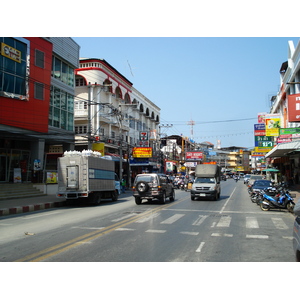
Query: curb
<point x="30" y="208"/>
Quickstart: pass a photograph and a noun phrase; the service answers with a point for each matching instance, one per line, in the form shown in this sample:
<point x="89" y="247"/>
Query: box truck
<point x="207" y="182"/>
<point x="86" y="176"/>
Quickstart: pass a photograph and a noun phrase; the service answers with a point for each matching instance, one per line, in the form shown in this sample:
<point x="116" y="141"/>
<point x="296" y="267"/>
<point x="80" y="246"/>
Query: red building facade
<point x="36" y="103"/>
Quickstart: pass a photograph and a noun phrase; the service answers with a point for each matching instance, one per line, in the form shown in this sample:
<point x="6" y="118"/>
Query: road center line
<point x="223" y="208"/>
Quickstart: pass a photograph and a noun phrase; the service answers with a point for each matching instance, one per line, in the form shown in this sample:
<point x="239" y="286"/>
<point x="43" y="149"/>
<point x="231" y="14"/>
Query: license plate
<point x="202" y="195"/>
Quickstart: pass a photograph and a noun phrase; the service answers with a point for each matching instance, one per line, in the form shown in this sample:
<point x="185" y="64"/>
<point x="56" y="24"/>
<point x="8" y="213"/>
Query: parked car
<point x="153" y="186"/>
<point x="296" y="231"/>
<point x="253" y="178"/>
<point x="246" y="178"/>
<point x="260" y="184"/>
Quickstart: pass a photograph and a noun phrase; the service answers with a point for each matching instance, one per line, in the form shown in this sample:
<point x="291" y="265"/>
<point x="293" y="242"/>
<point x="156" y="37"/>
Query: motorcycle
<point x="282" y="199"/>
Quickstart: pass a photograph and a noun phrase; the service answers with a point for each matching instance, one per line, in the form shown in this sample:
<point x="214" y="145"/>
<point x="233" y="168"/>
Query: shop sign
<point x="144" y="136"/>
<point x="193" y="155"/>
<point x="294" y="108"/>
<point x="295" y="130"/>
<point x="258" y="153"/>
<point x="262" y="149"/>
<point x="272" y="124"/>
<point x="263" y="138"/>
<point x="281" y="140"/>
<point x="142" y="152"/>
<point x="259" y="129"/>
<point x="10" y="52"/>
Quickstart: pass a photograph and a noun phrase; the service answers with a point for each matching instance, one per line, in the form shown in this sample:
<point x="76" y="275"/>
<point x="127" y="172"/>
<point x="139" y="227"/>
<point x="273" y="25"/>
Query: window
<point x="80" y="129"/>
<point x="39" y="90"/>
<point x="61" y="113"/>
<point x="62" y="71"/>
<point x="14" y="67"/>
<point x="39" y="58"/>
<point x="80" y="82"/>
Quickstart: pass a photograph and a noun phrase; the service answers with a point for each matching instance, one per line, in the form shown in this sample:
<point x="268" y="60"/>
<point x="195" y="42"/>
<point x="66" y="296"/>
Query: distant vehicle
<point x="153" y="186"/>
<point x="207" y="182"/>
<point x="253" y="178"/>
<point x="246" y="178"/>
<point x="296" y="231"/>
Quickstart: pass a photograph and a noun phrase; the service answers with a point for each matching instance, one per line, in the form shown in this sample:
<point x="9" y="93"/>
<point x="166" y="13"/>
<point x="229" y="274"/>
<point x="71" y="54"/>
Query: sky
<point x="219" y="83"/>
<point x="214" y="63"/>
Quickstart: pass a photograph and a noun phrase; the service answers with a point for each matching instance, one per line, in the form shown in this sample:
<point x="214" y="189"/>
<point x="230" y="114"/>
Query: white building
<point x="116" y="110"/>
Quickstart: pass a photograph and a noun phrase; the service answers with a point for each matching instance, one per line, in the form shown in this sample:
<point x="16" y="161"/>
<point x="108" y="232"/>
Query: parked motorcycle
<point x="282" y="199"/>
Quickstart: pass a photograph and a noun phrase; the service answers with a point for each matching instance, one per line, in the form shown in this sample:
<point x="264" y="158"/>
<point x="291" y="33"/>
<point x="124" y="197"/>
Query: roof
<point x="283" y="149"/>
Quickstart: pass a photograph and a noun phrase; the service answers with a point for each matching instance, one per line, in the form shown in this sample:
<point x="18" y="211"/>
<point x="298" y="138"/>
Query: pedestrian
<point x="123" y="185"/>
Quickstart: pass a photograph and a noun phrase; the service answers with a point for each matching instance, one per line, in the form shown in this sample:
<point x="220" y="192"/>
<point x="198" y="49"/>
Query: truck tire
<point x="138" y="200"/>
<point x="96" y="198"/>
<point x="114" y="195"/>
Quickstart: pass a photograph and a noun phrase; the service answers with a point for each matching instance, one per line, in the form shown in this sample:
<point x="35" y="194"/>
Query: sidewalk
<point x="23" y="205"/>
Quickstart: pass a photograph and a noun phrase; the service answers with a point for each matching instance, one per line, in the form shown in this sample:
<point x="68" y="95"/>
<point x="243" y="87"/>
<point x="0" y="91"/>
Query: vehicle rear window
<point x="145" y="178"/>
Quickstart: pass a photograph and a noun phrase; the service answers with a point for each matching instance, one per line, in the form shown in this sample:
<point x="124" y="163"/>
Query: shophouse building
<point x="113" y="117"/>
<point x="286" y="103"/>
<point x="36" y="104"/>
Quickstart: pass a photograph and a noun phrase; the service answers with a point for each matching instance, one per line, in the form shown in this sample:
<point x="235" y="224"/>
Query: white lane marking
<point x="155" y="231"/>
<point x="200" y="220"/>
<point x="148" y="218"/>
<point x="189" y="232"/>
<point x="251" y="222"/>
<point x="220" y="234"/>
<point x="124" y="229"/>
<point x="288" y="237"/>
<point x="213" y="224"/>
<point x="125" y="217"/>
<point x="279" y="224"/>
<point x="257" y="236"/>
<point x="224" y="221"/>
<point x="172" y="219"/>
<point x="221" y="211"/>
<point x="41" y="215"/>
<point x="200" y="247"/>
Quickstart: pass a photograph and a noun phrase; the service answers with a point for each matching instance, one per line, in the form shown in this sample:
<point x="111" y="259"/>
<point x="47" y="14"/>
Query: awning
<point x="283" y="149"/>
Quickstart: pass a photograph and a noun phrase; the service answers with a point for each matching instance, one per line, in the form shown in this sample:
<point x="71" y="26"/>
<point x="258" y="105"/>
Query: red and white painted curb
<point x="29" y="208"/>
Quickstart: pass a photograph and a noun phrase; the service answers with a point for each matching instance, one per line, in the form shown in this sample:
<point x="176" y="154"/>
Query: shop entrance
<point x="14" y="159"/>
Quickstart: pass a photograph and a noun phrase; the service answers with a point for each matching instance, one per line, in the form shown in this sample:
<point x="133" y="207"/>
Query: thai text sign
<point x="142" y="152"/>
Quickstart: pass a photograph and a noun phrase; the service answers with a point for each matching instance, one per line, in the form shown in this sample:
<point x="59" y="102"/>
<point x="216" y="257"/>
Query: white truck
<point x="207" y="182"/>
<point x="86" y="176"/>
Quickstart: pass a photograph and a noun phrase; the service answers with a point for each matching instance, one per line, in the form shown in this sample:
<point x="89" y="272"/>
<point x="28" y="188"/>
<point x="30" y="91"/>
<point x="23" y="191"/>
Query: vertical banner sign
<point x="272" y="124"/>
<point x="144" y="139"/>
<point x="259" y="129"/>
<point x="294" y="108"/>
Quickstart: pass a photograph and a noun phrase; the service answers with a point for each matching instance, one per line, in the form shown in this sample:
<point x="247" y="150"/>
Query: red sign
<point x="294" y="108"/>
<point x="193" y="155"/>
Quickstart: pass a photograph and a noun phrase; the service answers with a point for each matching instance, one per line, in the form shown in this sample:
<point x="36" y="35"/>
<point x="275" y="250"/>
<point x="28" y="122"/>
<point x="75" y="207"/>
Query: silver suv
<point x="153" y="186"/>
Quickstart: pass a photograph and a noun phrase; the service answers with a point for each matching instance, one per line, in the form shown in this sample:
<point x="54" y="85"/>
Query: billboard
<point x="142" y="152"/>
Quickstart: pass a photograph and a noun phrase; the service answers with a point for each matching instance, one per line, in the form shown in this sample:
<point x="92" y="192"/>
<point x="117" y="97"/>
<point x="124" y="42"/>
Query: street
<point x="231" y="229"/>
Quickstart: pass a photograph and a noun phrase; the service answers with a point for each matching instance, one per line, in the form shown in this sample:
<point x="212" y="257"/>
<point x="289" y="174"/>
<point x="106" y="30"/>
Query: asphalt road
<point x="231" y="229"/>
